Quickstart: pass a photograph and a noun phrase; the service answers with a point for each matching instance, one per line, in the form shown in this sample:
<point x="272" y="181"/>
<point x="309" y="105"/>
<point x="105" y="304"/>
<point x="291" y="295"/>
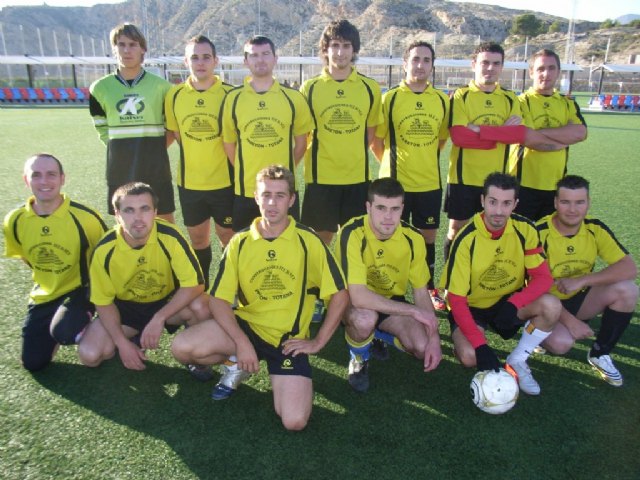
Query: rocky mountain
<point x="386" y="26"/>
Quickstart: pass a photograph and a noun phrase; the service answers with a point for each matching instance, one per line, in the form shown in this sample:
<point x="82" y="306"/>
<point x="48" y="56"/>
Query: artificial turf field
<point x="72" y="422"/>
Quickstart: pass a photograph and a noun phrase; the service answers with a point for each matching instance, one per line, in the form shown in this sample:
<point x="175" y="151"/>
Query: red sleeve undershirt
<point x="462" y="137"/>
<point x="463" y="318"/>
<point x="508" y="134"/>
<point x="540" y="281"/>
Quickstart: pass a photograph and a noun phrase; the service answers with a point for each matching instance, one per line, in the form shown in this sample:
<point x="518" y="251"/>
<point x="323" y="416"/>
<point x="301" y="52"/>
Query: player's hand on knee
<point x="580" y="330"/>
<point x="247" y="358"/>
<point x="507" y="316"/>
<point x="131" y="356"/>
<point x="432" y="356"/>
<point x="486" y="359"/>
<point x="150" y="338"/>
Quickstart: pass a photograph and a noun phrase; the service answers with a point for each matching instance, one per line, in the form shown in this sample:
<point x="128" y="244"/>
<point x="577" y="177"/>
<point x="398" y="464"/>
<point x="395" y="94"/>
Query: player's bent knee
<point x="467" y="357"/>
<point x="294" y="423"/>
<point x="91" y="356"/>
<point x="629" y="291"/>
<point x="550" y="308"/>
<point x="558" y="345"/>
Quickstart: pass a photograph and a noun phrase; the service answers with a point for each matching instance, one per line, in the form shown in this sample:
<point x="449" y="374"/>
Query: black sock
<point x="204" y="257"/>
<point x="431" y="263"/>
<point x="612" y="327"/>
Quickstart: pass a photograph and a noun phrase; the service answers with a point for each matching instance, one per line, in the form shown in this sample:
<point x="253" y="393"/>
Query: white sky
<point x="594" y="10"/>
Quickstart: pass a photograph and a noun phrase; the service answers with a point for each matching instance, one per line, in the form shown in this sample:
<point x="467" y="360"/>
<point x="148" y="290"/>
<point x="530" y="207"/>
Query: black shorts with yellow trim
<point x="462" y="201"/>
<point x="423" y="208"/>
<point x="137" y="314"/>
<point x="277" y="362"/>
<point x="484" y="318"/>
<point x="573" y="304"/>
<point x="200" y="205"/>
<point x="325" y="207"/>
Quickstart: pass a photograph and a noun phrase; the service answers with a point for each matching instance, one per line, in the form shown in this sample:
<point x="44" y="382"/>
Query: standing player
<point x="408" y="143"/>
<point x="144" y="277"/>
<point x="204" y="177"/>
<point x="277" y="267"/>
<point x="263" y="122"/>
<point x="381" y="256"/>
<point x="485" y="280"/>
<point x="54" y="236"/>
<point x="346" y="108"/>
<point x="128" y="112"/>
<point x="573" y="242"/>
<point x="484" y="119"/>
<point x="558" y="118"/>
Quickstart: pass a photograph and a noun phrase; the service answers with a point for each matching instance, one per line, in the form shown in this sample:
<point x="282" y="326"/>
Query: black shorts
<point x="200" y="205"/>
<point x="326" y="207"/>
<point x="163" y="190"/>
<point x="573" y="304"/>
<point x="462" y="201"/>
<point x="535" y="204"/>
<point x="383" y="316"/>
<point x="484" y="318"/>
<point x="245" y="211"/>
<point x="49" y="324"/>
<point x="277" y="362"/>
<point x="137" y="315"/>
<point x="424" y="209"/>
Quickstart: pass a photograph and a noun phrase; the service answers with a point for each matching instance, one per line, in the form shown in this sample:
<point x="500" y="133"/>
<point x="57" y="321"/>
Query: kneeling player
<point x="381" y="256"/>
<point x="144" y="277"/>
<point x="573" y="242"/>
<point x="276" y="268"/>
<point x="485" y="279"/>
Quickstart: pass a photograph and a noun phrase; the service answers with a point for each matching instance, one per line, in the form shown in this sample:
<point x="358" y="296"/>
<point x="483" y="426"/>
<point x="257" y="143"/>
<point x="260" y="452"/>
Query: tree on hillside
<point x="634" y="23"/>
<point x="526" y="24"/>
<point x="608" y="23"/>
<point x="556" y="26"/>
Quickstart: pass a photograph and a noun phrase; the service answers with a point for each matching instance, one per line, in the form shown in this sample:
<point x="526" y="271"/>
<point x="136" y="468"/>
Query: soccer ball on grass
<point x="494" y="392"/>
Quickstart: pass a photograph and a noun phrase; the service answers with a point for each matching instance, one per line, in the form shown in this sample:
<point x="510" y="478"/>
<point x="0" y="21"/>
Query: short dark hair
<point x="277" y="172"/>
<point x="415" y="44"/>
<point x="133" y="188"/>
<point x="386" y="187"/>
<point x="500" y="180"/>
<point x="545" y="52"/>
<point x="491" y="47"/>
<point x="128" y="30"/>
<point x="202" y="39"/>
<point x="572" y="182"/>
<point x="259" y="40"/>
<point x="35" y="156"/>
<point x="343" y="29"/>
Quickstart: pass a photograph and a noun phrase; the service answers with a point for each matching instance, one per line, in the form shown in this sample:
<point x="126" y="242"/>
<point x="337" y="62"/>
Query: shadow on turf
<point x="373" y="434"/>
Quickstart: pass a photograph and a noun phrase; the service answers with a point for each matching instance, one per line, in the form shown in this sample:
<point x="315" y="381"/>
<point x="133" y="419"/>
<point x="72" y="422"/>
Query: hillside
<point x="385" y="25"/>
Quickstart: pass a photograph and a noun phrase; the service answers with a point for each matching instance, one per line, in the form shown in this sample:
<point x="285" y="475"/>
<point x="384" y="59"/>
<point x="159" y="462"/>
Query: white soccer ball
<point x="494" y="393"/>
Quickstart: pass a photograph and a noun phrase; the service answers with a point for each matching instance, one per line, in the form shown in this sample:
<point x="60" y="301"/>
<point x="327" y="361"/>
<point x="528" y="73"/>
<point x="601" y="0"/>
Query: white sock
<point x="531" y="338"/>
<point x="232" y="362"/>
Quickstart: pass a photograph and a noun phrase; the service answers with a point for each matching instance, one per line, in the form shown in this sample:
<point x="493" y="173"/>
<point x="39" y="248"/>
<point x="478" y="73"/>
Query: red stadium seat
<point x="71" y="94"/>
<point x="40" y="94"/>
<point x="607" y="101"/>
<point x="8" y="94"/>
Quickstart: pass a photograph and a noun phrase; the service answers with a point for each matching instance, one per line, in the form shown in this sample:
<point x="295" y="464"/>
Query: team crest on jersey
<point x="339" y="119"/>
<point x="419" y="106"/>
<point x="200" y="127"/>
<point x="48" y="258"/>
<point x="488" y="103"/>
<point x="497" y="277"/>
<point x="570" y="250"/>
<point x="146" y="285"/>
<point x="130" y="106"/>
<point x="45" y="231"/>
<point x="264" y="132"/>
<point x="499" y="251"/>
<point x="340" y="93"/>
<point x="262" y="105"/>
<point x="418" y="130"/>
<point x="271" y="254"/>
<point x="142" y="260"/>
<point x="379" y="280"/>
<point x="200" y="102"/>
<point x="380" y="253"/>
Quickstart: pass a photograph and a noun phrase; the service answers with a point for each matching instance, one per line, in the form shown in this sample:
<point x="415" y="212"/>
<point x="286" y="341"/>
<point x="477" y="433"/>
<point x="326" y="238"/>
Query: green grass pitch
<point x="71" y="422"/>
